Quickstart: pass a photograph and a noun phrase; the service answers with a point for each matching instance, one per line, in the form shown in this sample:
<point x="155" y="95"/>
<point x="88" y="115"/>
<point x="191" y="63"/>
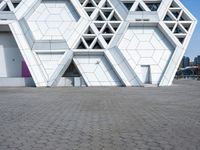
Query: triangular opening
<point x="89" y="31"/>
<point x="115" y="26"/>
<point x="128" y="5"/>
<point x="171" y="26"/>
<point x="115" y="17"/>
<point x="176" y="13"/>
<point x="107" y="30"/>
<point x="81" y="45"/>
<point x="107" y="12"/>
<point x="97" y="2"/>
<point x="97" y="45"/>
<point x="99" y="17"/>
<point x="168" y="18"/>
<point x="186" y="26"/>
<point x="181" y="39"/>
<point x="139" y="8"/>
<point x="15" y="4"/>
<point x="72" y="71"/>
<point x="89" y="4"/>
<point x="99" y="26"/>
<point x="174" y="5"/>
<point x="81" y="1"/>
<point x="89" y="40"/>
<point x="107" y="39"/>
<point x="153" y="6"/>
<point x="184" y="17"/>
<point x="5" y="8"/>
<point x="178" y="30"/>
<point x="107" y="4"/>
<point x="89" y="11"/>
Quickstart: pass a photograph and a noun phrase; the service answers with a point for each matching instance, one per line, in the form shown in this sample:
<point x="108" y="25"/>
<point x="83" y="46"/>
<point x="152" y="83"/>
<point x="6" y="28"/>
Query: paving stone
<point x="165" y="118"/>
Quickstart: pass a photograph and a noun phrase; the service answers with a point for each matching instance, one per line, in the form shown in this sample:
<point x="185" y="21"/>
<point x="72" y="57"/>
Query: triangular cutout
<point x="128" y="5"/>
<point x="89" y="40"/>
<point x="72" y="71"/>
<point x="168" y="18"/>
<point x="15" y="4"/>
<point x="174" y="5"/>
<point x="97" y="45"/>
<point x="107" y="4"/>
<point x="153" y="6"/>
<point x="184" y="17"/>
<point x="82" y="1"/>
<point x="186" y="26"/>
<point x="99" y="26"/>
<point x="176" y="13"/>
<point x="89" y="4"/>
<point x="107" y="30"/>
<point x="181" y="39"/>
<point x="139" y="8"/>
<point x="89" y="31"/>
<point x="170" y="26"/>
<point x="97" y="2"/>
<point x="115" y="17"/>
<point x="99" y="17"/>
<point x="115" y="26"/>
<point x="81" y="45"/>
<point x="178" y="30"/>
<point x="5" y="8"/>
<point x="107" y="12"/>
<point x="89" y="11"/>
<point x="107" y="38"/>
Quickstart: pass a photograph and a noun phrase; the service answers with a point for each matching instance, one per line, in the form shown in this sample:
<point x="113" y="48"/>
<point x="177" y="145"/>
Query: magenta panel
<point x="25" y="70"/>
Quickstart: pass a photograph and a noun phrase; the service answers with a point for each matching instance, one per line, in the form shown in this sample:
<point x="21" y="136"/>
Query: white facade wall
<point x="10" y="56"/>
<point x="111" y="42"/>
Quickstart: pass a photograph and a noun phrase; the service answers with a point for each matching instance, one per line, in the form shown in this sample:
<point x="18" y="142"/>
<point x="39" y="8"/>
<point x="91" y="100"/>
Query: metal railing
<point x="195" y="77"/>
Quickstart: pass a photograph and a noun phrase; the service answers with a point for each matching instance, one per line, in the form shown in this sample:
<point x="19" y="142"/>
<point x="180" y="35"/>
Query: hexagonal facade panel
<point x="52" y="19"/>
<point x="93" y="42"/>
<point x="146" y="47"/>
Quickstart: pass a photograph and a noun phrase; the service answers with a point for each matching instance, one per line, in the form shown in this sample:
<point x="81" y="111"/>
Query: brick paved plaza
<point x="165" y="118"/>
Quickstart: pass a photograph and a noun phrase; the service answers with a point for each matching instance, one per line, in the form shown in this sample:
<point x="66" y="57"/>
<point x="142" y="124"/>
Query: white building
<point x="92" y="42"/>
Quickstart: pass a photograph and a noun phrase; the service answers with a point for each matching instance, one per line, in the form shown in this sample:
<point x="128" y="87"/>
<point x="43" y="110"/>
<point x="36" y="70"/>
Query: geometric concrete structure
<point x="92" y="42"/>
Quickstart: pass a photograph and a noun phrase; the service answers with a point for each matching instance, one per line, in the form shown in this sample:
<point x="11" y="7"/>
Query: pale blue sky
<point x="194" y="46"/>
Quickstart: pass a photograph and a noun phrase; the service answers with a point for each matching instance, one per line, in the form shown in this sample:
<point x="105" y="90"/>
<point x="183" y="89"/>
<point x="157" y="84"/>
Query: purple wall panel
<point x="25" y="70"/>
